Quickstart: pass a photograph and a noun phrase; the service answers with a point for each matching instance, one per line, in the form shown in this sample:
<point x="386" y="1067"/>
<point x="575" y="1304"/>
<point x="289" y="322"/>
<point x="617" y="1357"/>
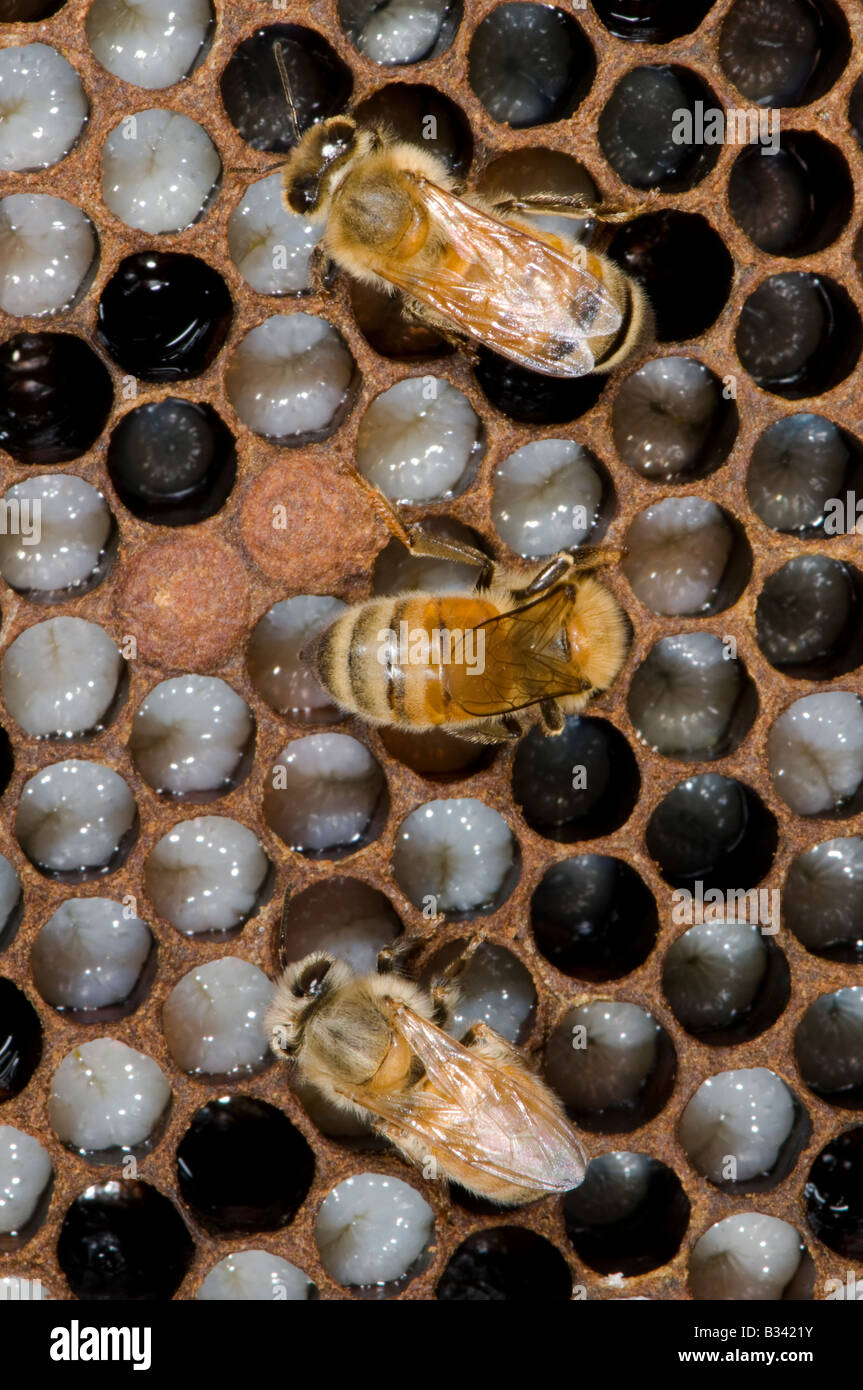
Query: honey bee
<point x="471" y="1113"/>
<point x="467" y="265"/>
<point x="484" y="664"/>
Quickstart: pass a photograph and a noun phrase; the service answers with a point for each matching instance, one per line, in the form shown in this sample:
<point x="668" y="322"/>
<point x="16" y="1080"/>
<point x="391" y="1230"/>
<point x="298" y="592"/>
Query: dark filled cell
<point x="855" y="110"/>
<point x="124" y="1240"/>
<point x="164" y="316"/>
<point x="801" y="466"/>
<point x="739" y="1025"/>
<point x="581" y="784"/>
<point x="809" y="618"/>
<point x="793" y="202"/>
<point x="628" y="1216"/>
<point x="834" y="1194"/>
<point x="173" y="462"/>
<point x="651" y="21"/>
<point x="422" y="116"/>
<point x="593" y="917"/>
<point x="530" y="397"/>
<point x="28" y="11"/>
<point x="7" y="760"/>
<point x="20" y="1040"/>
<point x="683" y="266"/>
<point x="798" y="334"/>
<point x="651" y="129"/>
<point x="321" y="914"/>
<point x="55" y="396"/>
<point x="506" y="1264"/>
<point x="242" y="1166"/>
<point x="529" y="64"/>
<point x="436" y="755"/>
<point x="783" y="52"/>
<point x="321" y="85"/>
<point x="386" y="327"/>
<point x="10" y="923"/>
<point x="714" y="830"/>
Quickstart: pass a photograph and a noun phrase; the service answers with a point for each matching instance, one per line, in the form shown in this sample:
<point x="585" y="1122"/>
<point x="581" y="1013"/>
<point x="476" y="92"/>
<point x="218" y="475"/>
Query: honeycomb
<point x="246" y="591"/>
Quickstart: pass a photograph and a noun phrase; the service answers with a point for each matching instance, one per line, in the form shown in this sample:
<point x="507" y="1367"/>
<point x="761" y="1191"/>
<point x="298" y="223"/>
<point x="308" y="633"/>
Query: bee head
<point x="309" y="170"/>
<point x="300" y="990"/>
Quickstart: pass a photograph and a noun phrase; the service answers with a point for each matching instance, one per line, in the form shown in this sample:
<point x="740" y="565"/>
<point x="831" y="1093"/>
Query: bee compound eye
<point x="304" y="193"/>
<point x="312" y="978"/>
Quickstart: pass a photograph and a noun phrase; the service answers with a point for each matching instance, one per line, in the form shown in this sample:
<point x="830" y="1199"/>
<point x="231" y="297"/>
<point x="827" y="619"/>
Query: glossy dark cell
<point x="834" y="1194"/>
<point x="28" y="11"/>
<point x="651" y="21"/>
<point x="164" y="316"/>
<point x="799" y="334"/>
<point x="855" y="110"/>
<point x="809" y="617"/>
<point x="740" y="1025"/>
<point x="409" y="108"/>
<point x="593" y="917"/>
<point x="55" y="396"/>
<point x="628" y="1216"/>
<point x="173" y="462"/>
<point x="7" y="760"/>
<point x="531" y="398"/>
<point x="506" y="1264"/>
<point x="795" y="201"/>
<point x="20" y="1040"/>
<point x="124" y="1240"/>
<point x="581" y="784"/>
<point x="14" y="902"/>
<point x="650" y="128"/>
<point x="529" y="64"/>
<point x="783" y="52"/>
<point x="436" y="755"/>
<point x="321" y="85"/>
<point x="713" y="829"/>
<point x="242" y="1166"/>
<point x="682" y="264"/>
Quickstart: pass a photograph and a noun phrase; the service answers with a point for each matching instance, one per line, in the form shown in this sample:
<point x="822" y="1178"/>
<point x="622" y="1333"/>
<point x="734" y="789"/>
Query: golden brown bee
<point x="471" y="1112"/>
<point x="465" y="264"/>
<point x="483" y="664"/>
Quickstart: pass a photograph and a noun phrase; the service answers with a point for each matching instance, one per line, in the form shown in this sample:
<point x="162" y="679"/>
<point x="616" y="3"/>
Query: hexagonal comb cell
<point x="185" y="366"/>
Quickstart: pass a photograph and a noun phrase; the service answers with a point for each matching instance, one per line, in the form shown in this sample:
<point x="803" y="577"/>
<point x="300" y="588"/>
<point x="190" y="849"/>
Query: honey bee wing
<point x="487" y="1116"/>
<point x="525" y="658"/>
<point x="507" y="289"/>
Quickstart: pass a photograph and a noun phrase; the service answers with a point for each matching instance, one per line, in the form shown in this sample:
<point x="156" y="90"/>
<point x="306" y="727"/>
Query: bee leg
<point x="484" y="1040"/>
<point x="318" y="267"/>
<point x="399" y="955"/>
<point x="506" y="729"/>
<point x="444" y="991"/>
<point x="551" y="716"/>
<point x="574" y="205"/>
<point x="419" y="542"/>
<point x="569" y="562"/>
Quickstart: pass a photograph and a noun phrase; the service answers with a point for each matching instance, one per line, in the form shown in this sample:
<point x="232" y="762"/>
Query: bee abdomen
<point x="638" y="322"/>
<point x="356" y="660"/>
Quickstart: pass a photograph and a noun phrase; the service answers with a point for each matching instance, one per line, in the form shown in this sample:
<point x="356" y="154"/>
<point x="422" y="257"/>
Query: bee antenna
<point x="251" y="169"/>
<point x="279" y="51"/>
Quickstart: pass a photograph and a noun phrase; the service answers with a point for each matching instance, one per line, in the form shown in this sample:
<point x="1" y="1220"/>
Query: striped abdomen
<point x="399" y="660"/>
